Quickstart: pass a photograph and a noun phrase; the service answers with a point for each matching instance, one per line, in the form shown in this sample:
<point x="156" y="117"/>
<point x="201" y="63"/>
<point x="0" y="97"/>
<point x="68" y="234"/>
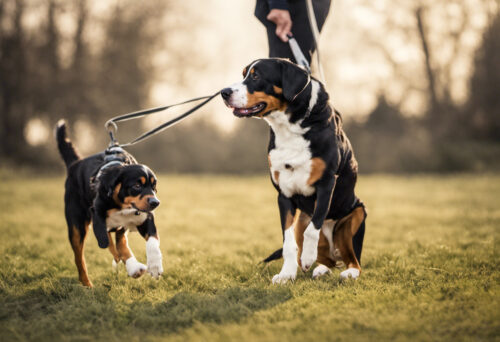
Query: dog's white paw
<point x="349" y="273"/>
<point x="309" y="247"/>
<point x="320" y="270"/>
<point x="284" y="276"/>
<point x="114" y="265"/>
<point x="134" y="268"/>
<point x="154" y="257"/>
<point x="288" y="272"/>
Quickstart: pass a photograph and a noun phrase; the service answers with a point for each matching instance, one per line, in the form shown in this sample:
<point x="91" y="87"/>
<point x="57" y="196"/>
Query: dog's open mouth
<point x="244" y="112"/>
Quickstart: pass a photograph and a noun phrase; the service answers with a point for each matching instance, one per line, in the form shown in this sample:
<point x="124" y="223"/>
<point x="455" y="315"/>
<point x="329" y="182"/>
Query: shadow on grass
<point x="41" y="313"/>
<point x="225" y="306"/>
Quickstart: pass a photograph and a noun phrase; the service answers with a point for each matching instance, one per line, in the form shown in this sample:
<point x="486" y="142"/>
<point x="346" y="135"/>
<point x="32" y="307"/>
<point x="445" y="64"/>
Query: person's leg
<point x="301" y="28"/>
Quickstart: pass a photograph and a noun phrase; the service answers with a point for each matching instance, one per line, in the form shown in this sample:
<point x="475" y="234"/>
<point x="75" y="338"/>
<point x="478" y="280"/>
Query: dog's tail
<point x="274" y="256"/>
<point x="68" y="152"/>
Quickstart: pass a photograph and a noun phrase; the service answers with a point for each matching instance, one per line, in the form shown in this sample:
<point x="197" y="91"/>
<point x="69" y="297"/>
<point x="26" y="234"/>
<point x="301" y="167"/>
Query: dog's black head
<point x="129" y="186"/>
<point x="122" y="187"/>
<point x="270" y="85"/>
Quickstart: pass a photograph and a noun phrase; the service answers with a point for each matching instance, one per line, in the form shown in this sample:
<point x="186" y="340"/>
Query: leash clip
<point x="112" y="128"/>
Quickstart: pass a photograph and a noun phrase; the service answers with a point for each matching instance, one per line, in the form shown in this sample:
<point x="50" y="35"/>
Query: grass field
<point x="431" y="267"/>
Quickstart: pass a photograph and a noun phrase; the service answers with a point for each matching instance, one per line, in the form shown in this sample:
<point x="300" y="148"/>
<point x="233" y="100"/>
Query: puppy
<point x="117" y="195"/>
<point x="311" y="165"/>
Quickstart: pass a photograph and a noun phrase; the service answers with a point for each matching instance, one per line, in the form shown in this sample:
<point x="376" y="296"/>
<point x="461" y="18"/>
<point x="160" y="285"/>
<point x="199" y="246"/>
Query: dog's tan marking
<point x="141" y="202"/>
<point x="122" y="247"/>
<point x="115" y="194"/>
<point x="277" y="90"/>
<point x="344" y="231"/>
<point x="112" y="248"/>
<point x="77" y="243"/>
<point x="152" y="180"/>
<point x="143" y="180"/>
<point x="272" y="103"/>
<point x="317" y="168"/>
<point x="244" y="71"/>
<point x="252" y="71"/>
<point x="277" y="177"/>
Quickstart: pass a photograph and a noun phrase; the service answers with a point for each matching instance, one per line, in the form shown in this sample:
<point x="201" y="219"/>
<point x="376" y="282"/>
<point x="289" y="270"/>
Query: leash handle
<point x="297" y="53"/>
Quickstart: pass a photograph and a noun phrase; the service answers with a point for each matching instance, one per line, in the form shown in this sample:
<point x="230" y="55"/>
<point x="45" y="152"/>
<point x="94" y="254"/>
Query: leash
<point x="112" y="128"/>
<point x="297" y="51"/>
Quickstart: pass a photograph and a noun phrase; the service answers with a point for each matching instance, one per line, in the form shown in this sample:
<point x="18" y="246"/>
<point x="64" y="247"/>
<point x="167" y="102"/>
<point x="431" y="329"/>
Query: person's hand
<point x="283" y="22"/>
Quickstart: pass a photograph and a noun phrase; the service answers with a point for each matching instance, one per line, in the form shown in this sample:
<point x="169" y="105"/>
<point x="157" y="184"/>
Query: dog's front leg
<point x="324" y="193"/>
<point x="289" y="269"/>
<point x="153" y="252"/>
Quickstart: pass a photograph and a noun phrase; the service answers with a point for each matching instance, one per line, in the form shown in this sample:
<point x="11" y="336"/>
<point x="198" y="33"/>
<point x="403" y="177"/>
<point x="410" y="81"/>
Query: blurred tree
<point x="13" y="73"/>
<point x="484" y="103"/>
<point x="440" y="32"/>
<point x="87" y="84"/>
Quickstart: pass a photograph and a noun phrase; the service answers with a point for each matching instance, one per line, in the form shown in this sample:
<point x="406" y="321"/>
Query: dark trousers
<point x="301" y="28"/>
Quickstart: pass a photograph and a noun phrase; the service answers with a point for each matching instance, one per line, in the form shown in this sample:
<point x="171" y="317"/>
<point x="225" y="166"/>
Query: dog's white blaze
<point x="314" y="94"/>
<point x="154" y="257"/>
<point x="290" y="264"/>
<point x="127" y="218"/>
<point x="309" y="247"/>
<point x="250" y="69"/>
<point x="239" y="96"/>
<point x="291" y="156"/>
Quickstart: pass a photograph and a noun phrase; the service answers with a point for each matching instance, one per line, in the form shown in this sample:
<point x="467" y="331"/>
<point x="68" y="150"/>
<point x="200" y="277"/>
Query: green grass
<point x="431" y="267"/>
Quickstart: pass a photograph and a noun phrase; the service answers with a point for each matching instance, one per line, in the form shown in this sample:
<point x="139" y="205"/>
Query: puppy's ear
<point x="108" y="180"/>
<point x="293" y="79"/>
<point x="99" y="223"/>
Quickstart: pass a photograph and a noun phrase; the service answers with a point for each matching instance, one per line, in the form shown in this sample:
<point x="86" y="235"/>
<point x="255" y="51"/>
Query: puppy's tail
<point x="274" y="256"/>
<point x="68" y="152"/>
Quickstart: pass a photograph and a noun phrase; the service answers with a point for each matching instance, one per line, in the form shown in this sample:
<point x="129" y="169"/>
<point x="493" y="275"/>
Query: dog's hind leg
<point x="113" y="251"/>
<point x="345" y="230"/>
<point x="134" y="268"/>
<point x="77" y="234"/>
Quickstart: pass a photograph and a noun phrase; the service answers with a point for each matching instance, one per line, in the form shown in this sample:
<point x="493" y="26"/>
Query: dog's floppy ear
<point x="99" y="223"/>
<point x="108" y="180"/>
<point x="294" y="79"/>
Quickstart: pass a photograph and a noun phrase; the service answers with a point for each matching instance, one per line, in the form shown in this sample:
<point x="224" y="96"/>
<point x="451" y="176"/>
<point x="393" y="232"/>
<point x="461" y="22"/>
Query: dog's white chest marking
<point x="291" y="158"/>
<point x="129" y="218"/>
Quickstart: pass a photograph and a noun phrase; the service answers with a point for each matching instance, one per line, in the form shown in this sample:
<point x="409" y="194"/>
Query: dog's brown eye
<point x="255" y="77"/>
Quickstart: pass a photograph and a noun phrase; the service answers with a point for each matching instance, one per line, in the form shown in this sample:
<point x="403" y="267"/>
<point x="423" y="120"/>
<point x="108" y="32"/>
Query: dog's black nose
<point x="153" y="202"/>
<point x="226" y="93"/>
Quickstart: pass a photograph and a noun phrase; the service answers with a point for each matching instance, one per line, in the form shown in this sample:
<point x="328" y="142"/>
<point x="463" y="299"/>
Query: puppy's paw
<point x="320" y="270"/>
<point x="288" y="272"/>
<point x="114" y="265"/>
<point x="134" y="268"/>
<point x="310" y="247"/>
<point x="350" y="273"/>
<point x="284" y="277"/>
<point x="154" y="257"/>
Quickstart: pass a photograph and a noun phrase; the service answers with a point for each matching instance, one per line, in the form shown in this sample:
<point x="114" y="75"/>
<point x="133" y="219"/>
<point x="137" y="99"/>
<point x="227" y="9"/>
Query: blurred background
<point x="417" y="82"/>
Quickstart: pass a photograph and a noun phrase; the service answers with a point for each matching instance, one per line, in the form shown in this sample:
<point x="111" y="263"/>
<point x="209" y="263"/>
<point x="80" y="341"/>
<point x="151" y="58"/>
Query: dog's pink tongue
<point x="244" y="111"/>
